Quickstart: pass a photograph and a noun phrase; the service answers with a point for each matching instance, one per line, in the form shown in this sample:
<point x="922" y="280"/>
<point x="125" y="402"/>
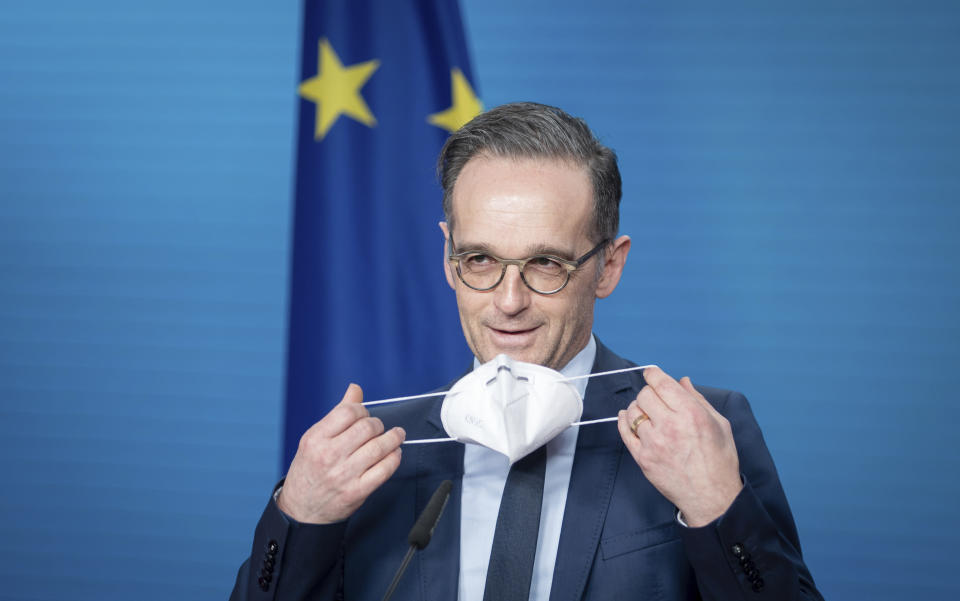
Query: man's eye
<point x="479" y="261"/>
<point x="545" y="264"/>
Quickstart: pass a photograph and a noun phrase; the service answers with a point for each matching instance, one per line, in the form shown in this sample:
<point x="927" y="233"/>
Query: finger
<point x="353" y="438"/>
<point x="378" y="454"/>
<point x="669" y="390"/>
<point x="650" y="403"/>
<point x="639" y="424"/>
<point x="636" y="416"/>
<point x="344" y="415"/>
<point x="374" y="450"/>
<point x="630" y="439"/>
<point x="380" y="472"/>
<point x="647" y="413"/>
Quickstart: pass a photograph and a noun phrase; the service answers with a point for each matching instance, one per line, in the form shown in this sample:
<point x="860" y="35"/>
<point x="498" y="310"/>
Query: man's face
<point x="514" y="209"/>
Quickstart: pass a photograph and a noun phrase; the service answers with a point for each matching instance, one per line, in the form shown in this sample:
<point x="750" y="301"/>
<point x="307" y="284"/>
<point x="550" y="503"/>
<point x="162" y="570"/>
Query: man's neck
<point x="582" y="362"/>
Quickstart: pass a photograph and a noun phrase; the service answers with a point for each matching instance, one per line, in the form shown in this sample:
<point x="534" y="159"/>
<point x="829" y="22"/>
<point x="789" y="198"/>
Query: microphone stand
<point x="422" y="530"/>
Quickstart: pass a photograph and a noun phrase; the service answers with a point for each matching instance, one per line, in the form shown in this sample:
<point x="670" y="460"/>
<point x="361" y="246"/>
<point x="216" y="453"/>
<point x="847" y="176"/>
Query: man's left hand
<point x="685" y="447"/>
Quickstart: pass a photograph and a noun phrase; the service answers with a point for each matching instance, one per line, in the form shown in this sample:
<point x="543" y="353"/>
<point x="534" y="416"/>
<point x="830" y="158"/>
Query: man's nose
<point x="512" y="296"/>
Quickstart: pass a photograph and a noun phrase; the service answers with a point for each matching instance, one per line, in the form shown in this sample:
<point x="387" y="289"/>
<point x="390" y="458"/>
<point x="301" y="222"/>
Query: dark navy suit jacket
<point x="620" y="538"/>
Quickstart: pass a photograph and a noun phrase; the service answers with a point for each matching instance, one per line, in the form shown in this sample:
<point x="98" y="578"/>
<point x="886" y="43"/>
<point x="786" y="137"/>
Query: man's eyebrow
<point x="545" y="249"/>
<point x="473" y="247"/>
<point x="537" y="249"/>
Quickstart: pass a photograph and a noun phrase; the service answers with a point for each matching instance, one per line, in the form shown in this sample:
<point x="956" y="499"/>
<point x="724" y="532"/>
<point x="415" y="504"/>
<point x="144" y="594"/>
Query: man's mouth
<point x="513" y="336"/>
<point x="513" y="330"/>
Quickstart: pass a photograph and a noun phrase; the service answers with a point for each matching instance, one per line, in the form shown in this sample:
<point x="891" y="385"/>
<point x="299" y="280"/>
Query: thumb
<point x="354" y="394"/>
<point x="688" y="386"/>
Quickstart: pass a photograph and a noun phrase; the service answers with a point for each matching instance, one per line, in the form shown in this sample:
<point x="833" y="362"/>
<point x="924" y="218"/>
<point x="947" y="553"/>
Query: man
<point x="678" y="500"/>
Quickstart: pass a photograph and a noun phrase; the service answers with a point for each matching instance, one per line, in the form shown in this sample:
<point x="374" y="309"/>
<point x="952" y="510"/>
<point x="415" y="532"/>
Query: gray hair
<point x="531" y="130"/>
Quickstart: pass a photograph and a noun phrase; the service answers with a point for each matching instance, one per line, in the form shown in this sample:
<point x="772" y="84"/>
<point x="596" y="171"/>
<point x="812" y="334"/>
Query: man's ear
<point x="614" y="258"/>
<point x="446" y="263"/>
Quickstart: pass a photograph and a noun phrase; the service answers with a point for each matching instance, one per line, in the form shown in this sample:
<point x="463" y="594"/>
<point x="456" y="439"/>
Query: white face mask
<point x="510" y="406"/>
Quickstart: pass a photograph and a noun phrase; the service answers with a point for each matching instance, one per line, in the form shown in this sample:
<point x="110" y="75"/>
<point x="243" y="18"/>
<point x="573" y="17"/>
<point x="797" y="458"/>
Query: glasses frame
<point x="568" y="265"/>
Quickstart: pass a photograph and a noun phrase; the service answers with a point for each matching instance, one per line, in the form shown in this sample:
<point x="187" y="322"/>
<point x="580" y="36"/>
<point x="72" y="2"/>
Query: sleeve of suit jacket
<point x="753" y="550"/>
<point x="291" y="561"/>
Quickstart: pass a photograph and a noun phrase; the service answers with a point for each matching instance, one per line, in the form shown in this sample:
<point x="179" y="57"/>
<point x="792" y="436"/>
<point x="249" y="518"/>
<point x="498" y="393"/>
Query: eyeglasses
<point x="544" y="274"/>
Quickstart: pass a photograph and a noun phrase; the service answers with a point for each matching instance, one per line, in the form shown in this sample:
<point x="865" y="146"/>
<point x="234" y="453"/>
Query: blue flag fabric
<point x="383" y="84"/>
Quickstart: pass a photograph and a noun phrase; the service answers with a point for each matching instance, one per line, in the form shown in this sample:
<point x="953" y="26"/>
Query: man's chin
<point x="524" y="354"/>
<point x="517" y="357"/>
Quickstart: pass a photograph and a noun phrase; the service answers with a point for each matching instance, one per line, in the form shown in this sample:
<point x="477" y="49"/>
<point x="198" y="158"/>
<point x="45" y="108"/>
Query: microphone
<point x="422" y="530"/>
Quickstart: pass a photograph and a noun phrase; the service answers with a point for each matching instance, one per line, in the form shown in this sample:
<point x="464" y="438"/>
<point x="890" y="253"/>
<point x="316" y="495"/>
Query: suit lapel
<point x="591" y="480"/>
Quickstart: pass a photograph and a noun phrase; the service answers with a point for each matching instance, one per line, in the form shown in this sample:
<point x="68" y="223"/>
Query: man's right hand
<point x="341" y="460"/>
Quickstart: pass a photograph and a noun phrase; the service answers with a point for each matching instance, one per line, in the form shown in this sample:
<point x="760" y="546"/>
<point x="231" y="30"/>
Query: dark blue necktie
<point x="515" y="540"/>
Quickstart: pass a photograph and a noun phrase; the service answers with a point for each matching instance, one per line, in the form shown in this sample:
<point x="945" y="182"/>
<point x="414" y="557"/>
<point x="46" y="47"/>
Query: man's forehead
<point x="521" y="233"/>
<point x="539" y="202"/>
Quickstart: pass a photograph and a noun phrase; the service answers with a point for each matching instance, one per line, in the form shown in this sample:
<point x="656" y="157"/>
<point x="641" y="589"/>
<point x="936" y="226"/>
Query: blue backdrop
<point x="791" y="184"/>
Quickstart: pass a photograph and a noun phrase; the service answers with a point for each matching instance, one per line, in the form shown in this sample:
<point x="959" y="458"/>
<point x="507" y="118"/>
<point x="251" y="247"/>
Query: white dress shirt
<point x="484" y="476"/>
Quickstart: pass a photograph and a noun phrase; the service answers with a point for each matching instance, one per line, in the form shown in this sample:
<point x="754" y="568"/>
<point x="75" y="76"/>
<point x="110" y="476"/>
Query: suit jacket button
<point x="737" y="549"/>
<point x="272" y="547"/>
<point x="758" y="585"/>
<point x="264" y="585"/>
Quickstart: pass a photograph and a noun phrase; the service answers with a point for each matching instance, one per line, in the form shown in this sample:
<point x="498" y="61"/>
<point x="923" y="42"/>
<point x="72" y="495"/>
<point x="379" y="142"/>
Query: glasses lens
<point x="545" y="275"/>
<point x="479" y="271"/>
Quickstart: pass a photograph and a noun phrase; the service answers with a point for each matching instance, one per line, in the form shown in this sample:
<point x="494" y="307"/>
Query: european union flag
<point x="383" y="84"/>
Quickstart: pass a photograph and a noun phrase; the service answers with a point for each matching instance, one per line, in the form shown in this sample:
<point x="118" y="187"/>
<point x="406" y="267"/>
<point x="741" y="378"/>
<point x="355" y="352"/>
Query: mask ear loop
<point x="603" y="373"/>
<point x="595" y="421"/>
<point x="400" y="399"/>
<point x="606" y="373"/>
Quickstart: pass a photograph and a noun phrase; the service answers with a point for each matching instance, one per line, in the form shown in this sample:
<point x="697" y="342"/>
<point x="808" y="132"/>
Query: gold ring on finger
<point x="639" y="419"/>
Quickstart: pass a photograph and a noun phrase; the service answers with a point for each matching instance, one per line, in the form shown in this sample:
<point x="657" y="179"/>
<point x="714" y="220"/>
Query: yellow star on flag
<point x="465" y="107"/>
<point x="336" y="90"/>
